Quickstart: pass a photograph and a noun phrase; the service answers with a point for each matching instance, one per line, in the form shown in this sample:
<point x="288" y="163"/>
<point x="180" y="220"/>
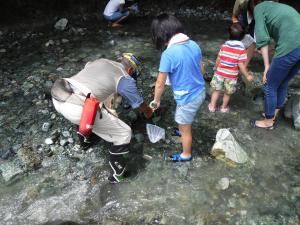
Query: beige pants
<point x="109" y="127"/>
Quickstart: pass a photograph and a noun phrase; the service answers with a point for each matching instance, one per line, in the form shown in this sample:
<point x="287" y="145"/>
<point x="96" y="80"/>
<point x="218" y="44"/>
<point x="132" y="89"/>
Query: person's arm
<point x="244" y="71"/>
<point x="235" y="11"/>
<point x="159" y="87"/>
<point x="127" y="88"/>
<point x="265" y="54"/>
<point x="262" y="35"/>
<point x="202" y="67"/>
<point x="217" y="61"/>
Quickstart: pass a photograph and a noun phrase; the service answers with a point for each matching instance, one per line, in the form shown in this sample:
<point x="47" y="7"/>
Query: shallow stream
<point x="70" y="186"/>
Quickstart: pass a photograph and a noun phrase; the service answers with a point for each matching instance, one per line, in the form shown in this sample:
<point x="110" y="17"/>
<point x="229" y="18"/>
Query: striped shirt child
<point x="230" y="55"/>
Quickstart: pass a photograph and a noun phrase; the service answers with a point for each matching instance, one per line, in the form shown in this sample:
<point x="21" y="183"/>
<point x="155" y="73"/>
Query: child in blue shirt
<point x="180" y="66"/>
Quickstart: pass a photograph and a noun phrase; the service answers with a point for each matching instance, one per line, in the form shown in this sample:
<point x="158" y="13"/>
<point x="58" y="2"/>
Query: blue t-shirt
<point x="127" y="88"/>
<point x="182" y="63"/>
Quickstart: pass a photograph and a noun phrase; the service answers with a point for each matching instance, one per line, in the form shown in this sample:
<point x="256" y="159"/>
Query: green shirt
<point x="279" y="22"/>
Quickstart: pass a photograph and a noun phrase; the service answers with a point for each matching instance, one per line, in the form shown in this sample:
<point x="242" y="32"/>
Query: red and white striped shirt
<point x="231" y="54"/>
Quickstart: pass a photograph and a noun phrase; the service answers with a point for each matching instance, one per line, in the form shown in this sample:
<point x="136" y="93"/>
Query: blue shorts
<point x="185" y="114"/>
<point x="116" y="16"/>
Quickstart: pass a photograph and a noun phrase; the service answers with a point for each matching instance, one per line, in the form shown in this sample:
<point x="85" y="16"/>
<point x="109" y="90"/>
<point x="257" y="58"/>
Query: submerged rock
<point x="9" y="170"/>
<point x="227" y="147"/>
<point x="46" y="126"/>
<point x="61" y="24"/>
<point x="139" y="137"/>
<point x="28" y="158"/>
<point x="223" y="183"/>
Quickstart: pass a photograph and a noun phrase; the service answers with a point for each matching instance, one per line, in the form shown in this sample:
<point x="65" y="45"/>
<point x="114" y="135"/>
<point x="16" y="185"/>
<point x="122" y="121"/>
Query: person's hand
<point x="234" y="19"/>
<point x="250" y="76"/>
<point x="264" y="79"/>
<point x="154" y="105"/>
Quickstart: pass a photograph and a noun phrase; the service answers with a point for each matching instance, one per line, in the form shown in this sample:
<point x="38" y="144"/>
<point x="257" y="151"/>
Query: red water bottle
<point x="88" y="115"/>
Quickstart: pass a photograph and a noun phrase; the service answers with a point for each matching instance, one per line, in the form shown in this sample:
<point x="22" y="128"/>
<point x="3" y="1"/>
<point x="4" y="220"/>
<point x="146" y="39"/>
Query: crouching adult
<point x="115" y="12"/>
<point x="103" y="79"/>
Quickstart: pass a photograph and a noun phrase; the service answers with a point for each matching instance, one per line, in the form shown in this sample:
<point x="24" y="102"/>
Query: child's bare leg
<point x="186" y="138"/>
<point x="214" y="99"/>
<point x="226" y="99"/>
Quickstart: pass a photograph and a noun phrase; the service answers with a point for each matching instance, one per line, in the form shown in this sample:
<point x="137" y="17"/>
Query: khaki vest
<point x="101" y="77"/>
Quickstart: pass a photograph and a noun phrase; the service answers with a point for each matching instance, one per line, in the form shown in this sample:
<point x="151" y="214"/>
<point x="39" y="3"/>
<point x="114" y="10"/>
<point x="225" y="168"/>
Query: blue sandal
<point x="176" y="132"/>
<point x="177" y="158"/>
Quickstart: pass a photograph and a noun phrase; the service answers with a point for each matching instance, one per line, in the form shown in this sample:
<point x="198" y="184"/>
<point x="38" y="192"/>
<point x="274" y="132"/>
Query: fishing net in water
<point x="155" y="133"/>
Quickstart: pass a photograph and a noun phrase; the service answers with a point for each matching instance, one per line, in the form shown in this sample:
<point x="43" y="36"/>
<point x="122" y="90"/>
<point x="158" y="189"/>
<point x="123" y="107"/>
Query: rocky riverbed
<point x="46" y="178"/>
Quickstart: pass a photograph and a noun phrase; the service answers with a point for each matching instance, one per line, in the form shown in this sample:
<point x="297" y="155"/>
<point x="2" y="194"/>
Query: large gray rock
<point x="227" y="147"/>
<point x="296" y="111"/>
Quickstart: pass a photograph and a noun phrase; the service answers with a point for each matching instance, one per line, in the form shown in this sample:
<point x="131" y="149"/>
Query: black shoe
<point x="85" y="142"/>
<point x="114" y="179"/>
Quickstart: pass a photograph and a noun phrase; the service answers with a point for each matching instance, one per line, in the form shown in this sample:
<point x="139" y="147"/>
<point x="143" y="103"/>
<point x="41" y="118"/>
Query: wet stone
<point x="61" y="24"/>
<point x="49" y="141"/>
<point x="44" y="111"/>
<point x="9" y="170"/>
<point x="49" y="43"/>
<point x="139" y="137"/>
<point x="183" y="169"/>
<point x="70" y="140"/>
<point x="227" y="148"/>
<point x="28" y="158"/>
<point x="48" y="84"/>
<point x="63" y="142"/>
<point x="66" y="133"/>
<point x="53" y="116"/>
<point x="288" y="109"/>
<point x="46" y="126"/>
<point x="65" y="40"/>
<point x="132" y="116"/>
<point x="296" y="112"/>
<point x="223" y="183"/>
<point x="112" y="42"/>
<point x="254" y="87"/>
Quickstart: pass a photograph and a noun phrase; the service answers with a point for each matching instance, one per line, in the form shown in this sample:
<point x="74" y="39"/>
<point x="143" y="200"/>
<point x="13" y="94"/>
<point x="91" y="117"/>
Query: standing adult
<point x="181" y="63"/>
<point x="243" y="14"/>
<point x="281" y="23"/>
<point x="103" y="79"/>
<point x="115" y="12"/>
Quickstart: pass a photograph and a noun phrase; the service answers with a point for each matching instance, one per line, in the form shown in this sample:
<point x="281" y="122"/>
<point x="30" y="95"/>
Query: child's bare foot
<point x="225" y="110"/>
<point x="210" y="108"/>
